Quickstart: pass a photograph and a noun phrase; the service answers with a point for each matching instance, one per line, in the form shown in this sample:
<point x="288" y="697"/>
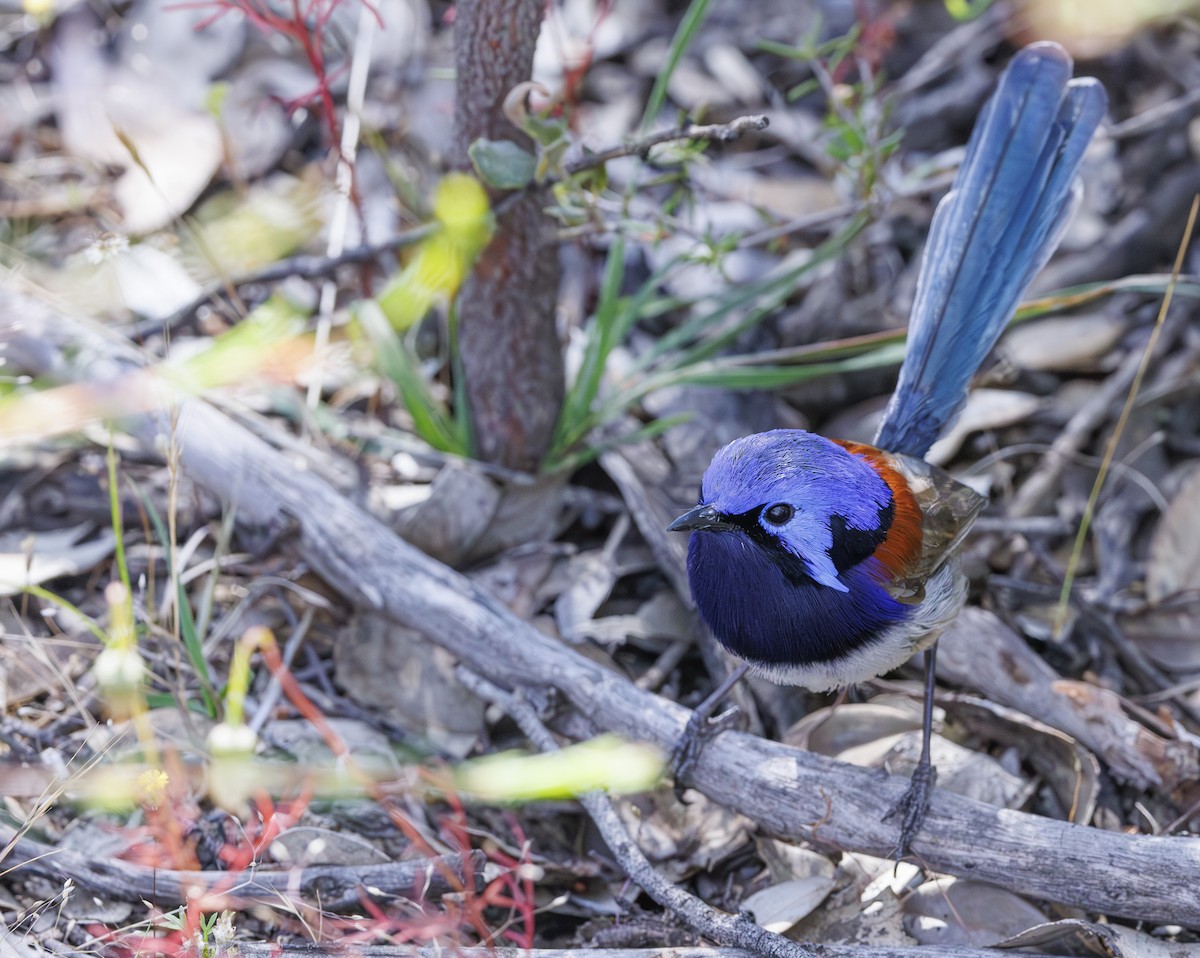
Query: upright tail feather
<point x="990" y="236"/>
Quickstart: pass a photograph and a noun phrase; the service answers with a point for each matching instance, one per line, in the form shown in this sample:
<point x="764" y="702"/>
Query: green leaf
<point x="963" y="10"/>
<point x="502" y="164"/>
<point x="608" y="327"/>
<point x="550" y="157"/>
<point x="546" y="131"/>
<point x="802" y="89"/>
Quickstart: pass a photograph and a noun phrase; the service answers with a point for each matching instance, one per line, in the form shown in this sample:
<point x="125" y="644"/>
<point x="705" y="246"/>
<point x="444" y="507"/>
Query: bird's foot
<point x="912" y="806"/>
<point x="701" y="727"/>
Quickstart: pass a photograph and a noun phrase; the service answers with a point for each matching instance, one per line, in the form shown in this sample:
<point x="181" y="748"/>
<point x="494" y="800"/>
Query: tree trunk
<point x="511" y="354"/>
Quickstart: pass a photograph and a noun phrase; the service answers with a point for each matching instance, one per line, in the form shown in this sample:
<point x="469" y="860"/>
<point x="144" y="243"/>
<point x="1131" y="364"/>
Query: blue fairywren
<point x="823" y="563"/>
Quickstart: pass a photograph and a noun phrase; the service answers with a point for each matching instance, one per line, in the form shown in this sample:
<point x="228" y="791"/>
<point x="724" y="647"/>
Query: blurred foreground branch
<point x="335" y="887"/>
<point x="790" y="793"/>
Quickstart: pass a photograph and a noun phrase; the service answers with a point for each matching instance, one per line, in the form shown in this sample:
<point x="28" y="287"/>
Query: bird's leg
<point x="701" y="726"/>
<point x="914" y="803"/>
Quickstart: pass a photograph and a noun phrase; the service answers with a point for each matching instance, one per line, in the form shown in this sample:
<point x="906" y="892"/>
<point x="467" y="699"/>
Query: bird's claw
<point x="912" y="806"/>
<point x="701" y="727"/>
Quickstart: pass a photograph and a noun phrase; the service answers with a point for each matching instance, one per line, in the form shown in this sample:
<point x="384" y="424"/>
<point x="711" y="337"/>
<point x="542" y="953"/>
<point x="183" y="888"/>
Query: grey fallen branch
<point x="981" y="652"/>
<point x="790" y="793"/>
<point x="733" y="931"/>
<point x="332" y="887"/>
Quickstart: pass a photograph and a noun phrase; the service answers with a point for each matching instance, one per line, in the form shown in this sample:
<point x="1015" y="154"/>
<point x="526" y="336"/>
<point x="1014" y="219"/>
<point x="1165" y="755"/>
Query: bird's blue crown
<point x="826" y="488"/>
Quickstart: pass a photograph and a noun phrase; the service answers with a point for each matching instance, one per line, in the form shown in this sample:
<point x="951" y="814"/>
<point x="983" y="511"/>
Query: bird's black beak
<point x="702" y="517"/>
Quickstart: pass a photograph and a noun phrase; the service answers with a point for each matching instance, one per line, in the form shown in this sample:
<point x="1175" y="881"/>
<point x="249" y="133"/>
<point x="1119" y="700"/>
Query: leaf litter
<point x="136" y="193"/>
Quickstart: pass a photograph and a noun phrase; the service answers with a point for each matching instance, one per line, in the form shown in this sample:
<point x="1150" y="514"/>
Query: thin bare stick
<point x="335" y="886"/>
<point x="713" y="132"/>
<point x="732" y="931"/>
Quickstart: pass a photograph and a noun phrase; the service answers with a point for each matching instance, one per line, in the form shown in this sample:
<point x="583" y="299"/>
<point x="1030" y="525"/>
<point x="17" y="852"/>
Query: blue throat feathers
<point x="760" y="601"/>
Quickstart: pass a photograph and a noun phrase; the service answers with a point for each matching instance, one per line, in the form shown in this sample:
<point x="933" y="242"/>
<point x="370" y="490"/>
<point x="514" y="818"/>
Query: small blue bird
<point x="822" y="563"/>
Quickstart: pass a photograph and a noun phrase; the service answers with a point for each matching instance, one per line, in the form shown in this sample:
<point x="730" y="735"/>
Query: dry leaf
<point x="31" y="559"/>
<point x="1173" y="564"/>
<point x="308" y="845"/>
<point x="410" y="679"/>
<point x="683" y="837"/>
<point x="1063" y="343"/>
<point x="985" y="409"/>
<point x="778" y="907"/>
<point x="951" y="912"/>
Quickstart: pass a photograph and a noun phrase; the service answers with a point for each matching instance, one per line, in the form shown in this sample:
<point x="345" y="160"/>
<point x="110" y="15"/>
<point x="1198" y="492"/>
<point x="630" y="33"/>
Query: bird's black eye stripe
<point x="778" y="514"/>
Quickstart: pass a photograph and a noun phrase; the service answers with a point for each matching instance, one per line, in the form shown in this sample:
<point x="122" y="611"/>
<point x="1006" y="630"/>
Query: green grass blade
<point x="772" y="291"/>
<point x="741" y="372"/>
<point x="47" y="596"/>
<point x="689" y="26"/>
<point x="114" y="509"/>
<point x="194" y="648"/>
<point x="600" y="341"/>
<point x="614" y="318"/>
<point x="1156" y="284"/>
<point x="464" y="432"/>
<point x="431" y="420"/>
<point x="582" y="457"/>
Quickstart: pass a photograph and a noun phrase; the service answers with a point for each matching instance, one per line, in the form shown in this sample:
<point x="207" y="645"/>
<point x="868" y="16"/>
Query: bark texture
<point x="511" y="354"/>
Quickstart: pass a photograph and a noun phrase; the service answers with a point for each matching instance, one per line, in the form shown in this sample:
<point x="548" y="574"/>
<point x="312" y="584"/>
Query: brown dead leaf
<point x="1173" y="564"/>
<point x="961" y="770"/>
<point x="779" y="907"/>
<point x="1076" y="936"/>
<point x="410" y="679"/>
<point x="1070" y="770"/>
<point x="833" y="730"/>
<point x="951" y="912"/>
<point x="683" y="837"/>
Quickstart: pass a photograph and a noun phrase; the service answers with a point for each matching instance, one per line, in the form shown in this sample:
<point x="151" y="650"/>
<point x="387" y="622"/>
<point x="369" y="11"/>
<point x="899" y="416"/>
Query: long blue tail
<point x="990" y="236"/>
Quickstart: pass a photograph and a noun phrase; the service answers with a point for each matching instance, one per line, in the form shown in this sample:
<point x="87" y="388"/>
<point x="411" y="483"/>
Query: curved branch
<point x="790" y="793"/>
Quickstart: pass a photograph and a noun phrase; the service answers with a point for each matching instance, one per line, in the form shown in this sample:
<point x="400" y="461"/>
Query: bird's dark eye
<point x="779" y="514"/>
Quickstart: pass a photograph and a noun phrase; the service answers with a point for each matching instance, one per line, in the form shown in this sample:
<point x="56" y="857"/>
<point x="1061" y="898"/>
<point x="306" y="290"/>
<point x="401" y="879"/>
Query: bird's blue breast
<point x="763" y="608"/>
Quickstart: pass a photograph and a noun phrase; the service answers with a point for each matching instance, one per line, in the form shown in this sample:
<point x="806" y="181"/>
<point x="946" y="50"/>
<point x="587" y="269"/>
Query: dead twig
<point x="309" y="266"/>
<point x="306" y="266"/>
<point x="732" y="931"/>
<point x="713" y="132"/>
<point x="333" y="887"/>
<point x="777" y="786"/>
